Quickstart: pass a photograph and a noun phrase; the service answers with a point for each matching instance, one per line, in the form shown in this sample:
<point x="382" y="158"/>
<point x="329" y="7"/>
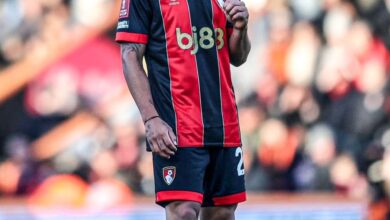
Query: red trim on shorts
<point x="230" y="199"/>
<point x="179" y="195"/>
<point x="131" y="37"/>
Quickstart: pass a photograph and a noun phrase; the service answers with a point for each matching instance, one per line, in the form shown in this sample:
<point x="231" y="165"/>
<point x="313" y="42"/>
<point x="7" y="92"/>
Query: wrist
<point x="241" y="29"/>
<point x="150" y="118"/>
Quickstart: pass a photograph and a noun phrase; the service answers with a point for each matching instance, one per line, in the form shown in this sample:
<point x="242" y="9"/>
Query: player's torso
<point x="194" y="92"/>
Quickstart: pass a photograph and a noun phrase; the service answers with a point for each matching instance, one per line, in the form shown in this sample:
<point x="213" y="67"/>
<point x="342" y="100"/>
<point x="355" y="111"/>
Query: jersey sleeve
<point x="134" y="21"/>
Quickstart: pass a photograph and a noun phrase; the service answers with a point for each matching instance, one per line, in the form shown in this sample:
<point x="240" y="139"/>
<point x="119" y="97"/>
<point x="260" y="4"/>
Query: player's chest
<point x="206" y="12"/>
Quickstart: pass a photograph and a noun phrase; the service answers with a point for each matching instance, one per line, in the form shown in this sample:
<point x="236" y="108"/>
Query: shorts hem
<point x="176" y="195"/>
<point x="229" y="199"/>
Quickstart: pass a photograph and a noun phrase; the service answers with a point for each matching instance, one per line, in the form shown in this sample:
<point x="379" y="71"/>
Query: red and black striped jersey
<point x="188" y="64"/>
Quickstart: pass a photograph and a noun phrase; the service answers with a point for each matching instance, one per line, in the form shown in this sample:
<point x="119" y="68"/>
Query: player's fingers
<point x="169" y="143"/>
<point x="229" y="18"/>
<point x="153" y="145"/>
<point x="240" y="15"/>
<point x="236" y="9"/>
<point x="172" y="136"/>
<point x="164" y="148"/>
<point x="229" y="5"/>
<point x="164" y="155"/>
<point x="160" y="152"/>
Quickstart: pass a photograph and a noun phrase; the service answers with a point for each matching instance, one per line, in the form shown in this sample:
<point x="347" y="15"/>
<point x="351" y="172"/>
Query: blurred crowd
<point x="313" y="104"/>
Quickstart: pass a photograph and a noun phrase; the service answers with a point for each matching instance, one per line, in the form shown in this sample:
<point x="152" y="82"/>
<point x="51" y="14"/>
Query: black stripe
<point x="158" y="73"/>
<point x="208" y="71"/>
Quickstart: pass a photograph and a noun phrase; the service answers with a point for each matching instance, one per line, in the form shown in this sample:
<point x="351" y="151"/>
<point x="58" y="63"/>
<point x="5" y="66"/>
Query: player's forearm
<point x="239" y="46"/>
<point x="137" y="80"/>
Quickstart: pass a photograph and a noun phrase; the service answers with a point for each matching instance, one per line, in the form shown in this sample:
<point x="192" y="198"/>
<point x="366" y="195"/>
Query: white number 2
<point x="240" y="167"/>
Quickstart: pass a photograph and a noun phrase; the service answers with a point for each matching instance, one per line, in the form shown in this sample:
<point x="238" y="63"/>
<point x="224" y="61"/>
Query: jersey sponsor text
<point x="204" y="39"/>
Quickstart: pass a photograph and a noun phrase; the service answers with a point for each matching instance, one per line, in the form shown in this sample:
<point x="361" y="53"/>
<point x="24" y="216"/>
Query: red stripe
<point x="179" y="195"/>
<point x="184" y="76"/>
<point x="229" y="110"/>
<point x="131" y="37"/>
<point x="230" y="199"/>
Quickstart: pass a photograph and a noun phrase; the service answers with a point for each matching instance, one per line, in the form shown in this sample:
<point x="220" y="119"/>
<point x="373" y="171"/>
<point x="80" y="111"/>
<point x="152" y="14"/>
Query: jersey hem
<point x="201" y="145"/>
<point x="211" y="145"/>
<point x="131" y="37"/>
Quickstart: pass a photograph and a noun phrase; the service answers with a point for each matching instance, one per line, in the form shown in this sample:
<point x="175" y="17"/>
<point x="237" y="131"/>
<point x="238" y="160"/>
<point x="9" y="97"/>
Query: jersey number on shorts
<point x="240" y="167"/>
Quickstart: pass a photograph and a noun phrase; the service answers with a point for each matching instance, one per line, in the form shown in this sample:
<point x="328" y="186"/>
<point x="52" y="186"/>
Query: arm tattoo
<point x="138" y="49"/>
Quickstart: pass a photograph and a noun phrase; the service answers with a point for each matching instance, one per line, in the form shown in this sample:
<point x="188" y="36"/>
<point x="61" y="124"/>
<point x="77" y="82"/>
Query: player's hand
<point x="161" y="138"/>
<point x="237" y="13"/>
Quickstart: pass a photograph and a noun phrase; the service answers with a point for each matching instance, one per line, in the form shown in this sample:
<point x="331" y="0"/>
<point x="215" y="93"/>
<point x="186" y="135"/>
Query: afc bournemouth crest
<point x="125" y="9"/>
<point x="169" y="174"/>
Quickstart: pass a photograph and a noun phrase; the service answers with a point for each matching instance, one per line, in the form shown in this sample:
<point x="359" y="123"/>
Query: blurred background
<point x="313" y="103"/>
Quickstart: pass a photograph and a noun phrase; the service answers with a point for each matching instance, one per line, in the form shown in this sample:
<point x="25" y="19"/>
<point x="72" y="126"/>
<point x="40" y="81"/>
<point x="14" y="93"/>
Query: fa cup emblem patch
<point x="169" y="174"/>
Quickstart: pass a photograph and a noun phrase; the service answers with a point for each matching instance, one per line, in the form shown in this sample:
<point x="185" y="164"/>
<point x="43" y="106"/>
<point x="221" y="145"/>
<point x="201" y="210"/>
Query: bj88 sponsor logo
<point x="203" y="39"/>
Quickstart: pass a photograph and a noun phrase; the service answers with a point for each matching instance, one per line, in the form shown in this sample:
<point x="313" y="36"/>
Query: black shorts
<point x="209" y="176"/>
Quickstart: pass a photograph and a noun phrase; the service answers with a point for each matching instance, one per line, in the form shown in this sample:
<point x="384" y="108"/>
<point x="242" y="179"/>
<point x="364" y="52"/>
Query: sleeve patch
<point x="125" y="9"/>
<point x="123" y="24"/>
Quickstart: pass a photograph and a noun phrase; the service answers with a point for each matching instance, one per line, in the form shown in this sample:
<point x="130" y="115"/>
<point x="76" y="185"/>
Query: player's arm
<point x="159" y="134"/>
<point x="239" y="44"/>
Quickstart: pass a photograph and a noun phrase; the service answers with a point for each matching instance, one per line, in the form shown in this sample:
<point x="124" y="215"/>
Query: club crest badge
<point x="125" y="9"/>
<point x="169" y="174"/>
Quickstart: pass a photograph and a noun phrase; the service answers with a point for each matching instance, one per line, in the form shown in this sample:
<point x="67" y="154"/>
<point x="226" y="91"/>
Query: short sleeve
<point x="134" y="21"/>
